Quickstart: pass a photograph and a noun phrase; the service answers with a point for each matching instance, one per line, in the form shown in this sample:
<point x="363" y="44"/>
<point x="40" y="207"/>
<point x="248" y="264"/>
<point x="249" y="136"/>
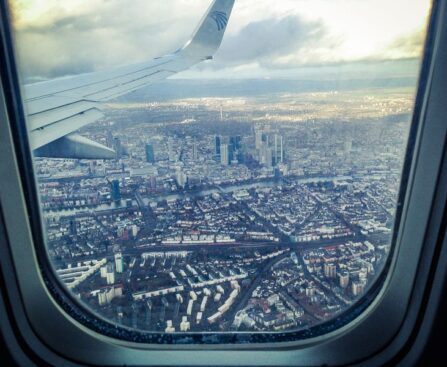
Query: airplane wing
<point x="57" y="108"/>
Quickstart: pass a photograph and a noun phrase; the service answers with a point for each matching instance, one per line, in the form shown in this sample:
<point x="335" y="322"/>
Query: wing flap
<point x="56" y="130"/>
<point x="53" y="115"/>
<point x="34" y="107"/>
<point x="76" y="147"/>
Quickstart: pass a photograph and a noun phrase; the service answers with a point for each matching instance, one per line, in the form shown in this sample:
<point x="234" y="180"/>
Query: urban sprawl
<point x="229" y="214"/>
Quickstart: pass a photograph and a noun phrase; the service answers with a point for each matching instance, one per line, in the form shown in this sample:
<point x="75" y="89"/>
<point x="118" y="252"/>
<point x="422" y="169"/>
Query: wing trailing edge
<point x="75" y="146"/>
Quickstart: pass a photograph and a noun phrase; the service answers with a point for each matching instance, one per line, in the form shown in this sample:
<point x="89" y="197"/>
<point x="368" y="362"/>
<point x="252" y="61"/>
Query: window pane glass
<point x="255" y="190"/>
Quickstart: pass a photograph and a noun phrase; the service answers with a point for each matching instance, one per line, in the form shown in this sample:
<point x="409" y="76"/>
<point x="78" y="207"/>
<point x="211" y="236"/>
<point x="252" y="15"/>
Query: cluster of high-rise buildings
<point x="229" y="150"/>
<point x="270" y="150"/>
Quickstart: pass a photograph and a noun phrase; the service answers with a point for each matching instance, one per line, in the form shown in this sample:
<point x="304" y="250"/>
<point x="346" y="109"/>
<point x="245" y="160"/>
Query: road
<point x="261" y="274"/>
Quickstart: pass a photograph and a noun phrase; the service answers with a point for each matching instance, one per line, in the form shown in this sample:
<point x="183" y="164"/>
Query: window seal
<point x="15" y="111"/>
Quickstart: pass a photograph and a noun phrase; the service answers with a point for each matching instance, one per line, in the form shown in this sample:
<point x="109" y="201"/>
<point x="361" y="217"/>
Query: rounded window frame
<point x="423" y="162"/>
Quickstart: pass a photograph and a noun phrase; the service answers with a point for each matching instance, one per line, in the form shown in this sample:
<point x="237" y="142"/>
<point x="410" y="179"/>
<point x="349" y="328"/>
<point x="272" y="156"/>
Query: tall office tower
<point x="278" y="152"/>
<point x="224" y="154"/>
<point x="221" y="114"/>
<point x="150" y="156"/>
<point x="235" y="148"/>
<point x="115" y="188"/>
<point x="119" y="262"/>
<point x="109" y="139"/>
<point x="239" y="142"/>
<point x="217" y="146"/>
<point x="232" y="155"/>
<point x="235" y="142"/>
<point x="117" y="147"/>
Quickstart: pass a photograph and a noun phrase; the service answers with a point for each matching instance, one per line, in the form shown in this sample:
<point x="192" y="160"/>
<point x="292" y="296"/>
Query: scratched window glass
<point x="218" y="166"/>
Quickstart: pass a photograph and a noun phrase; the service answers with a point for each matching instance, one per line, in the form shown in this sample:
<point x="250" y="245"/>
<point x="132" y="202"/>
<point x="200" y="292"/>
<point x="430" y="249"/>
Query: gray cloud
<point x="104" y="37"/>
<point x="409" y="45"/>
<point x="268" y="39"/>
<point x="106" y="34"/>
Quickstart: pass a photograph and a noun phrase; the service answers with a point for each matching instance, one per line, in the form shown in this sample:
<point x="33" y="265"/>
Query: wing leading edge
<point x="61" y="106"/>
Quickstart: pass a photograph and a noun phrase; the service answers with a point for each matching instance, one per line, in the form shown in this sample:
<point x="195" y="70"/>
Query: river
<point x="205" y="192"/>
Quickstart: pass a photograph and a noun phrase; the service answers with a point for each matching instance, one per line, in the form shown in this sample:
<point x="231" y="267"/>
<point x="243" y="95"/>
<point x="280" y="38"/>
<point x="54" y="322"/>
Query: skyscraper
<point x="224" y="154"/>
<point x="115" y="190"/>
<point x="278" y="152"/>
<point x="150" y="156"/>
<point x="234" y="149"/>
<point x="109" y="139"/>
<point x="235" y="142"/>
<point x="117" y="147"/>
<point x="217" y="146"/>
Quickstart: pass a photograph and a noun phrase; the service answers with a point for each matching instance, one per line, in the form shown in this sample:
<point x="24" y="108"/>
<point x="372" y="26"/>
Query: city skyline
<point x="288" y="233"/>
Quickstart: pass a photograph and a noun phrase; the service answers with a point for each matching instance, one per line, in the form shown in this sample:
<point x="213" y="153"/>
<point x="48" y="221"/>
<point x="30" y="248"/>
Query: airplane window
<point x="247" y="182"/>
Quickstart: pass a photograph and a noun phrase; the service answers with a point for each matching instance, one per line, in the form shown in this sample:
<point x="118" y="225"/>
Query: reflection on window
<point x="254" y="192"/>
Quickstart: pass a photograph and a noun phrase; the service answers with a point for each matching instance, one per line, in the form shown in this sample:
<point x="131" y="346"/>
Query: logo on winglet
<point x="220" y="18"/>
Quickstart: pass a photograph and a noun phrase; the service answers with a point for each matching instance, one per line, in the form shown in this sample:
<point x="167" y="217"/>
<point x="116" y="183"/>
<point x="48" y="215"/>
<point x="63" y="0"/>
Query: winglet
<point x="207" y="38"/>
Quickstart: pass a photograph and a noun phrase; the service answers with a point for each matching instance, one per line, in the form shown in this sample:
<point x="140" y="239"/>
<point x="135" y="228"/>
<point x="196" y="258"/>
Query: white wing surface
<point x="59" y="107"/>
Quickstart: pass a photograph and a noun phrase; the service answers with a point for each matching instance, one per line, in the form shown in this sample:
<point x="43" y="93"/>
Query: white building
<point x="110" y="276"/>
<point x="224" y="155"/>
<point x="119" y="262"/>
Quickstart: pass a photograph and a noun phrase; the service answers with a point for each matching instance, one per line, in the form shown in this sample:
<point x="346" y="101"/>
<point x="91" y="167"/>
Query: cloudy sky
<point x="265" y="38"/>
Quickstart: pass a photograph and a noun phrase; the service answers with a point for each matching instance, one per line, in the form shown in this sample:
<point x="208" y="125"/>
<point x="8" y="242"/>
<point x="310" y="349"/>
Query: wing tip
<point x="208" y="35"/>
